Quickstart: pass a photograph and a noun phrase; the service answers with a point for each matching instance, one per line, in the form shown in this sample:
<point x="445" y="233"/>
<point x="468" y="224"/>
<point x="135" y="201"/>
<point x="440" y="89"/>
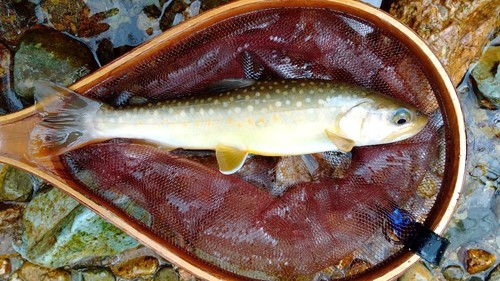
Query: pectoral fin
<point x="343" y="144"/>
<point x="230" y="158"/>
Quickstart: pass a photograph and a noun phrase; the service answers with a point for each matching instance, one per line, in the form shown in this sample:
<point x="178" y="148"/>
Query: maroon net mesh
<point x="273" y="219"/>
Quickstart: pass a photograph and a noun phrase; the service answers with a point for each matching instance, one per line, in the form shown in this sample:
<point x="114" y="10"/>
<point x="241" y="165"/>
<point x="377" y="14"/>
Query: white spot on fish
<point x="170" y="110"/>
<point x="231" y="99"/>
<point x="321" y="102"/>
<point x="277" y="104"/>
<point x="308" y="99"/>
<point x="183" y="113"/>
<point x="211" y="111"/>
<point x="202" y="111"/>
<point x="298" y="104"/>
<point x="225" y="104"/>
<point x="257" y="94"/>
<point x="303" y="84"/>
<point x="216" y="102"/>
<point x="237" y="109"/>
<point x="287" y="102"/>
<point x="268" y="96"/>
<point x="247" y="97"/>
<point x="191" y="110"/>
<point x="250" y="108"/>
<point x="238" y="96"/>
<point x="257" y="101"/>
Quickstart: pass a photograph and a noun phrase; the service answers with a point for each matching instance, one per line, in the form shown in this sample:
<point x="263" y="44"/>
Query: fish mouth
<point x="409" y="131"/>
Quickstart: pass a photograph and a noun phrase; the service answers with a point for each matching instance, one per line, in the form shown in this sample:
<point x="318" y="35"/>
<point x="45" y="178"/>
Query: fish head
<point x="381" y="120"/>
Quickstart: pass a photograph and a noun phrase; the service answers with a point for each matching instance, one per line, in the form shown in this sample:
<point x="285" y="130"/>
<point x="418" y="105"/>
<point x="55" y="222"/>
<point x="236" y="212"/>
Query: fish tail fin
<point x="66" y="120"/>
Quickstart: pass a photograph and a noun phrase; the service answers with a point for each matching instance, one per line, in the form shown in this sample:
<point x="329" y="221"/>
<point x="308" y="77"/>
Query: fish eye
<point x="401" y="116"/>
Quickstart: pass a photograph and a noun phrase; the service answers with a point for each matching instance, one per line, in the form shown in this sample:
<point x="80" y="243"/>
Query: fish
<point x="268" y="118"/>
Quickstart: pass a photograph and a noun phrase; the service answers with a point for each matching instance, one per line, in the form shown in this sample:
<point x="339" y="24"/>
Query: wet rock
<point x="98" y="274"/>
<point x="5" y="267"/>
<point x="75" y="17"/>
<point x="137" y="267"/>
<point x="166" y="274"/>
<point x="418" y="272"/>
<point x="453" y="273"/>
<point x="47" y="54"/>
<point x="487" y="75"/>
<point x="455" y="30"/>
<point x="15" y="184"/>
<point x="9" y="102"/>
<point x="185" y="276"/>
<point x="15" y="18"/>
<point x="477" y="260"/>
<point x="60" y="232"/>
<point x="10" y="214"/>
<point x="33" y="272"/>
<point x="494" y="274"/>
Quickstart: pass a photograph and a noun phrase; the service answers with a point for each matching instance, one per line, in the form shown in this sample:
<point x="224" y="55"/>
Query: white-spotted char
<point x="271" y="118"/>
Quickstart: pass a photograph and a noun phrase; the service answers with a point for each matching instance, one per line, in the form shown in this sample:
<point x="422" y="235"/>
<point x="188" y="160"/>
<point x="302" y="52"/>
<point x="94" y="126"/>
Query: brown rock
<point x="10" y="214"/>
<point x="137" y="267"/>
<point x="477" y="260"/>
<point x="33" y="272"/>
<point x="456" y="30"/>
<point x="5" y="267"/>
<point x="418" y="272"/>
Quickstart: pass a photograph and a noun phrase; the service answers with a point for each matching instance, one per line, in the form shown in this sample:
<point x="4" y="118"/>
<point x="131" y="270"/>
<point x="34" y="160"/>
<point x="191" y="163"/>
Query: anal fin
<point x="230" y="158"/>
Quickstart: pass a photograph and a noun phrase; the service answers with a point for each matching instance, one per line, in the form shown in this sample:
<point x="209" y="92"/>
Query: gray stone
<point x="47" y="54"/>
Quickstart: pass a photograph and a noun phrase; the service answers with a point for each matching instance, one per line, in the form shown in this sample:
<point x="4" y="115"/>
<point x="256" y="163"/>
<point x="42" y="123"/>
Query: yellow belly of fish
<point x="276" y="134"/>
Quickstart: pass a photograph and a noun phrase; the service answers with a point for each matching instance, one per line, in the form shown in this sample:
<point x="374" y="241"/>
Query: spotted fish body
<point x="271" y="118"/>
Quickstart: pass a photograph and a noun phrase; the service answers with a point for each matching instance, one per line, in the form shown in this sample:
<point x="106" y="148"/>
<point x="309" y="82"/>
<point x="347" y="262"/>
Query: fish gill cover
<point x="238" y="222"/>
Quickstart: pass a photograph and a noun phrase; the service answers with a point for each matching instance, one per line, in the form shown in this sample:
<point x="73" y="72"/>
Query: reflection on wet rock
<point x="60" y="232"/>
<point x="47" y="54"/>
<point x="135" y="268"/>
<point x="494" y="274"/>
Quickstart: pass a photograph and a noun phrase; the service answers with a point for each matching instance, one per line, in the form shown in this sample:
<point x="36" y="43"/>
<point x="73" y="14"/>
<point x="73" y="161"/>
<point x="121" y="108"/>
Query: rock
<point x="418" y="272"/>
<point x="60" y="232"/>
<point x="137" y="267"/>
<point x="98" y="274"/>
<point x="10" y="214"/>
<point x="9" y="102"/>
<point x="33" y="272"/>
<point x="456" y="30"/>
<point x="75" y="17"/>
<point x="47" y="54"/>
<point x="477" y="260"/>
<point x="487" y="74"/>
<point x="494" y="274"/>
<point x="15" y="184"/>
<point x="453" y="273"/>
<point x="15" y="18"/>
<point x="185" y="276"/>
<point x="166" y="274"/>
<point x="5" y="267"/>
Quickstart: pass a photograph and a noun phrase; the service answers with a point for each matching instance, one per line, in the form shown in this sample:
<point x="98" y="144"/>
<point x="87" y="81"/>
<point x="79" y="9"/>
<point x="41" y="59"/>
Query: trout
<point x="269" y="118"/>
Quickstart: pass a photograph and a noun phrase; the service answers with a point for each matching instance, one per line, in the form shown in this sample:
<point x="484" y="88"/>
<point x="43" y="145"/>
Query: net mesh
<point x="276" y="218"/>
